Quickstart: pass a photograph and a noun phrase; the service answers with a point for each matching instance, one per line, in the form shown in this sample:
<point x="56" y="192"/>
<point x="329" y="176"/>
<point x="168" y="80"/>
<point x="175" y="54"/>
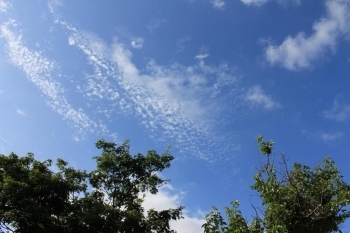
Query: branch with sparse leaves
<point x="298" y="200"/>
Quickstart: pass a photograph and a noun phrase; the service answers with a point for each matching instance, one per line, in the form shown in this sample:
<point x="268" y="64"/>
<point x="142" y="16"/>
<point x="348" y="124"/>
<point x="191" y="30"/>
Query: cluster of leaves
<point x="33" y="198"/>
<point x="236" y="223"/>
<point x="301" y="200"/>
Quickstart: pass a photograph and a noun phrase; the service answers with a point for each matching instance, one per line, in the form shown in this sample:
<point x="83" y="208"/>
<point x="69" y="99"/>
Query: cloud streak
<point x="338" y="112"/>
<point x="321" y="135"/>
<point x="40" y="71"/>
<point x="331" y="136"/>
<point x="21" y="112"/>
<point x="302" y="51"/>
<point x="262" y="2"/>
<point x="257" y="97"/>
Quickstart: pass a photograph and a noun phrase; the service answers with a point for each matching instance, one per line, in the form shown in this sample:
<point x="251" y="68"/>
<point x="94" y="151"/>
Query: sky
<point x="204" y="76"/>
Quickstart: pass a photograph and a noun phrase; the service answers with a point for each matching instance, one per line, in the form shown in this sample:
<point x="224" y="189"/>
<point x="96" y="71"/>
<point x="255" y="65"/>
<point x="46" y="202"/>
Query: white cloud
<point x="4" y="6"/>
<point x="188" y="225"/>
<point x="256" y="96"/>
<point x="262" y="2"/>
<point x="321" y="135"/>
<point x="39" y="70"/>
<point x="21" y="112"/>
<point x="331" y="136"/>
<point x="301" y="51"/>
<point x="137" y="42"/>
<point x="338" y="112"/>
<point x="202" y="56"/>
<point x="255" y="2"/>
<point x="218" y="4"/>
<point x="164" y="199"/>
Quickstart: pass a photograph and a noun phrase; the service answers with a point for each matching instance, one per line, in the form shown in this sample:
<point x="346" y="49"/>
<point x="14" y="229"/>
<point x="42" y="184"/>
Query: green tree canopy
<point x="301" y="200"/>
<point x="34" y="198"/>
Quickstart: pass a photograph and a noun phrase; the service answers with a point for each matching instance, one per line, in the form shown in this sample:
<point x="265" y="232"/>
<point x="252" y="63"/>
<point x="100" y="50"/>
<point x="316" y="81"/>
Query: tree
<point x="34" y="198"/>
<point x="301" y="200"/>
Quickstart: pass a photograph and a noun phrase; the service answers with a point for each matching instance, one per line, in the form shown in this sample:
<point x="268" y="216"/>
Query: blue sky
<point x="204" y="76"/>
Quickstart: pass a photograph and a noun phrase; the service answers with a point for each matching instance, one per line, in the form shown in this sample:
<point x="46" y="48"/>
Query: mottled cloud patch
<point x="338" y="112"/>
<point x="4" y="6"/>
<point x="302" y="51"/>
<point x="175" y="103"/>
<point x="171" y="99"/>
<point x="257" y="97"/>
<point x="40" y="71"/>
<point x="218" y="4"/>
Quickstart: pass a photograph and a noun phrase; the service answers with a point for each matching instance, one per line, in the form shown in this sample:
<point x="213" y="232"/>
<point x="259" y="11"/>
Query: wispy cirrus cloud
<point x="175" y="103"/>
<point x="256" y="96"/>
<point x="255" y="2"/>
<point x="302" y="51"/>
<point x="201" y="56"/>
<point x="155" y="23"/>
<point x="331" y="136"/>
<point x="262" y="2"/>
<point x="218" y="4"/>
<point x="21" y="112"/>
<point x="323" y="136"/>
<point x="175" y="100"/>
<point x="338" y="112"/>
<point x="180" y="43"/>
<point x="40" y="71"/>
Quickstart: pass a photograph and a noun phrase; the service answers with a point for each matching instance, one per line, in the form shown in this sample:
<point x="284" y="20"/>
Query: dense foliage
<point x="34" y="198"/>
<point x="301" y="200"/>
